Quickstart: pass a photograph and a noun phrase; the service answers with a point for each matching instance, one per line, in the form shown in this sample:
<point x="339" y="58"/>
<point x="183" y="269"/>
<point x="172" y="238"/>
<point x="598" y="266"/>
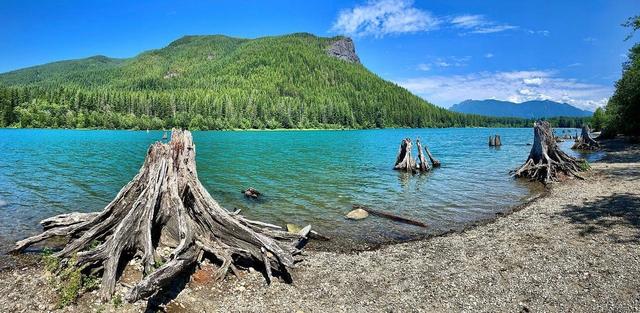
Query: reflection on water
<point x="307" y="177"/>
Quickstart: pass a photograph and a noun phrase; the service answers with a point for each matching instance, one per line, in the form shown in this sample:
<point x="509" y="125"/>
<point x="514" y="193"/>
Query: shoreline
<point x="573" y="248"/>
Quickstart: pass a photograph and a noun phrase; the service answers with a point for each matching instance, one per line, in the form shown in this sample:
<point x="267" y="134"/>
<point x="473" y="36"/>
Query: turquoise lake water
<point x="307" y="177"/>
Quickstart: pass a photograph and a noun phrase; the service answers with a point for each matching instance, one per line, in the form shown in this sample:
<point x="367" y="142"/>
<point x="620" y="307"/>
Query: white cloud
<point x="468" y="21"/>
<point x="534" y="81"/>
<point x="517" y="86"/>
<point x="478" y="24"/>
<point x="424" y="67"/>
<point x="489" y="55"/>
<point x="451" y="61"/>
<point x="545" y="33"/>
<point x="383" y="17"/>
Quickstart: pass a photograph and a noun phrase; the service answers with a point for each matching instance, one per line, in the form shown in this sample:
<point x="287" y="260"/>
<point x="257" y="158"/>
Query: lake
<point x="307" y="177"/>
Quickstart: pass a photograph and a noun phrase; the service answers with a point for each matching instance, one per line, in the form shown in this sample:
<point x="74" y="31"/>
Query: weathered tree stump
<point x="166" y="205"/>
<point x="423" y="166"/>
<point x="404" y="160"/>
<point x="497" y="141"/>
<point x="547" y="162"/>
<point x="585" y="141"/>
<point x="434" y="161"/>
<point x="494" y="141"/>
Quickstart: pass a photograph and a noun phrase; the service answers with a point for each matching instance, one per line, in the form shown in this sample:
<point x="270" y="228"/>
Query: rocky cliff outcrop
<point x="343" y="49"/>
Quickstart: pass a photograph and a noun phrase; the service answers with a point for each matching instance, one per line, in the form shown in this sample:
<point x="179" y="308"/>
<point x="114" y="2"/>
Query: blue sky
<point x="444" y="51"/>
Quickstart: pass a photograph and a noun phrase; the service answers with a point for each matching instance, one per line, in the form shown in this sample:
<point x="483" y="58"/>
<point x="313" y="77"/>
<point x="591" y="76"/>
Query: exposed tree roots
<point x="585" y="141"/>
<point x="547" y="162"/>
<point x="165" y="205"/>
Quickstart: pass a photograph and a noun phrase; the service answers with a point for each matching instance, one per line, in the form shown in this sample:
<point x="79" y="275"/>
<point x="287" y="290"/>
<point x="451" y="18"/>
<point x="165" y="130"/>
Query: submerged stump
<point x="547" y="162"/>
<point x="166" y="205"/>
<point x="585" y="141"/>
<point x="404" y="160"/>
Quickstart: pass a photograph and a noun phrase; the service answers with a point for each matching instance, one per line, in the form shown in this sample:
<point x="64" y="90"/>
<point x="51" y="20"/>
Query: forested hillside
<point x="218" y="82"/>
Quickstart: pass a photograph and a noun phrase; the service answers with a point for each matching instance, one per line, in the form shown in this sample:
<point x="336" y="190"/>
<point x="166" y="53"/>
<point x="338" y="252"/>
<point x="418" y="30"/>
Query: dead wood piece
<point x="166" y="200"/>
<point x="434" y="161"/>
<point x="404" y="160"/>
<point x="497" y="141"/>
<point x="547" y="162"/>
<point x="251" y="193"/>
<point x="585" y="141"/>
<point x="423" y="166"/>
<point x="390" y="216"/>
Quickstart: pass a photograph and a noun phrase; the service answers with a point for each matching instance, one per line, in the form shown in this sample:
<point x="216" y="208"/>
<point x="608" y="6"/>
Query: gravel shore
<point x="575" y="250"/>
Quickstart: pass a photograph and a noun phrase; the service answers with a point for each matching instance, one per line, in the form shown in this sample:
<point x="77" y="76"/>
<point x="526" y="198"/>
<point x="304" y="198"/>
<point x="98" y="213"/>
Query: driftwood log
<point x="404" y="160"/>
<point x="585" y="141"/>
<point x="547" y="162"/>
<point x="165" y="205"/>
<point x="423" y="165"/>
<point x="390" y="216"/>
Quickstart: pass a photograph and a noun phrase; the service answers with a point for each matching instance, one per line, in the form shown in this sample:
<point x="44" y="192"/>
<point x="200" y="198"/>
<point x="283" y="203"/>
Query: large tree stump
<point x="166" y="205"/>
<point x="423" y="165"/>
<point x="585" y="141"/>
<point x="547" y="162"/>
<point x="404" y="160"/>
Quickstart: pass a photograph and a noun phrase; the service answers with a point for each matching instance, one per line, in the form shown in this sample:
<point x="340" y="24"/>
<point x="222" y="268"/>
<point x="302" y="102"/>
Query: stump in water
<point x="585" y="141"/>
<point x="404" y="161"/>
<point x="434" y="161"/>
<point x="497" y="141"/>
<point x="494" y="141"/>
<point x="252" y="193"/>
<point x="165" y="205"/>
<point x="547" y="162"/>
<point x="423" y="165"/>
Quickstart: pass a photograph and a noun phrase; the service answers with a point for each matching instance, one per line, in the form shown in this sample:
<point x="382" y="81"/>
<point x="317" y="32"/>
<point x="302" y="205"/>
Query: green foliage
<point x="116" y="300"/>
<point x="70" y="283"/>
<point x="623" y="108"/>
<point x="218" y="82"/>
<point x="598" y="120"/>
<point x="69" y="280"/>
<point x="584" y="165"/>
<point x="633" y="23"/>
<point x="51" y="263"/>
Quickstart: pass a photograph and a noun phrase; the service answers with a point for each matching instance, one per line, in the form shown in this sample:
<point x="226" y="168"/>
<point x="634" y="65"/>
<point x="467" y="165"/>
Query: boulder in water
<point x="357" y="214"/>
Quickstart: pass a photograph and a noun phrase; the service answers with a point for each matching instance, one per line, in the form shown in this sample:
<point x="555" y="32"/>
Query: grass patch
<point x="584" y="165"/>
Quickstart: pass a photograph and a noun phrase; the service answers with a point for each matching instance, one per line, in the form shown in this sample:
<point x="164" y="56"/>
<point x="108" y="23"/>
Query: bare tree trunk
<point x="585" y="141"/>
<point x="497" y="141"/>
<point x="423" y="165"/>
<point x="166" y="200"/>
<point x="404" y="160"/>
<point x="547" y="162"/>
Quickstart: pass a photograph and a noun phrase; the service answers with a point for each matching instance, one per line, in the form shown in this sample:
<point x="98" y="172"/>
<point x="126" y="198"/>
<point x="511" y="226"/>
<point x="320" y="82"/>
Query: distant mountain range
<point x="529" y="109"/>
